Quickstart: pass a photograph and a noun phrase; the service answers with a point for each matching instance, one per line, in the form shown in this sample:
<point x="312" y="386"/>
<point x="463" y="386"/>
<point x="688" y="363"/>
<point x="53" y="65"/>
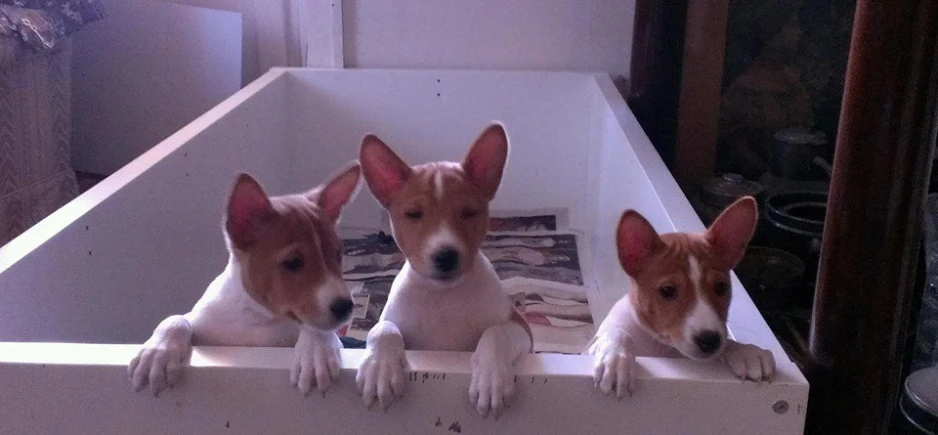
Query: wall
<point x="154" y="65"/>
<point x="482" y="34"/>
<point x="490" y="34"/>
<point x="250" y="64"/>
<point x="282" y="32"/>
<point x="145" y="71"/>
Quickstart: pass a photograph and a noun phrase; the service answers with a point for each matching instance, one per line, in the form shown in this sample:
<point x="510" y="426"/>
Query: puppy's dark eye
<point x="721" y="289"/>
<point x="414" y="215"/>
<point x="469" y="213"/>
<point x="293" y="264"/>
<point x="668" y="292"/>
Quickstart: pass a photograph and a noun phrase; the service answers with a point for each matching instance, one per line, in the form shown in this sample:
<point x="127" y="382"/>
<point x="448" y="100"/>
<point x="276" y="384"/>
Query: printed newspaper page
<point x="537" y="258"/>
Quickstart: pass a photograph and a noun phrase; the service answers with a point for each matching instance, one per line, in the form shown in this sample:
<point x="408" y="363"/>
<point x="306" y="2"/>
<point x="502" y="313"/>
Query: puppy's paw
<point x="380" y="377"/>
<point x="316" y="362"/>
<point x="158" y="364"/>
<point x="492" y="386"/>
<point x="749" y="362"/>
<point x="614" y="368"/>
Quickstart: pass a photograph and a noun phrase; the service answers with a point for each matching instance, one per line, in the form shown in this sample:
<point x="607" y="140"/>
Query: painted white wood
<point x="146" y="241"/>
<point x="323" y="33"/>
<point x="582" y="35"/>
<point x="434" y="115"/>
<point x="338" y="34"/>
<point x="311" y="35"/>
<point x="250" y="28"/>
<point x="154" y="237"/>
<point x="143" y="73"/>
<point x="47" y="388"/>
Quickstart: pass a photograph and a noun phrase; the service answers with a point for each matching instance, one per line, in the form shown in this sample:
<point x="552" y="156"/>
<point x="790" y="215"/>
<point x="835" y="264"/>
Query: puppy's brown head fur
<point x="681" y="281"/>
<point x="439" y="211"/>
<point x="289" y="254"/>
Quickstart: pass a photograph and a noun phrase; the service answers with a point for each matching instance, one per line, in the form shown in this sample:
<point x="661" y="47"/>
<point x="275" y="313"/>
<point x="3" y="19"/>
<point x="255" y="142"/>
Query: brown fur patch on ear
<point x="729" y="234"/>
<point x="636" y="241"/>
<point x="248" y="206"/>
<point x="486" y="159"/>
<point x="384" y="171"/>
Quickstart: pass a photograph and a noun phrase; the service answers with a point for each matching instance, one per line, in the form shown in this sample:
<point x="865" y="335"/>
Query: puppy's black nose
<point x="341" y="308"/>
<point x="707" y="341"/>
<point x="446" y="260"/>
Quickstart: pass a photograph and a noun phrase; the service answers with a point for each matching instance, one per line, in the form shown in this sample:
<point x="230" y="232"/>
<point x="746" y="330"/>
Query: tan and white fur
<point x="447" y="296"/>
<point x="282" y="286"/>
<point x="678" y="302"/>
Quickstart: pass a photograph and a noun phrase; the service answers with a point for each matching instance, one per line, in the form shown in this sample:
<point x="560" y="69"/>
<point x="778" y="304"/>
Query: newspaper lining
<point x="537" y="257"/>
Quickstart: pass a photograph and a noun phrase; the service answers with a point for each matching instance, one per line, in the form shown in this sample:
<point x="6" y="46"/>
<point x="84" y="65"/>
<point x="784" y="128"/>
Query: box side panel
<point x="246" y="391"/>
<point x="435" y="115"/>
<point x="144" y="243"/>
<point x="621" y="183"/>
<point x="153" y="240"/>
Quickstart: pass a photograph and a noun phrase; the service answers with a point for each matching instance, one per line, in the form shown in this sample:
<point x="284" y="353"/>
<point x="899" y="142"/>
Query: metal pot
<point x="796" y="225"/>
<point x="722" y="191"/>
<point x="796" y="154"/>
<point x="800" y="213"/>
<point x="718" y="192"/>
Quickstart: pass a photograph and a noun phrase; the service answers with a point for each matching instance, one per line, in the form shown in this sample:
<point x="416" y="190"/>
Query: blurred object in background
<point x="784" y="67"/>
<point x="926" y="342"/>
<point x="36" y="175"/>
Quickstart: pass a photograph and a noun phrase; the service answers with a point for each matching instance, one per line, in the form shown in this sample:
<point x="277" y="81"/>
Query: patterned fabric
<point x="10" y="49"/>
<point x="36" y="176"/>
<point x="41" y="24"/>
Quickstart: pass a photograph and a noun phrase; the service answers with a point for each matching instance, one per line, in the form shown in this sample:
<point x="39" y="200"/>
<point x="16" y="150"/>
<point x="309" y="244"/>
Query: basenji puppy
<point x="678" y="301"/>
<point x="282" y="286"/>
<point x="447" y="296"/>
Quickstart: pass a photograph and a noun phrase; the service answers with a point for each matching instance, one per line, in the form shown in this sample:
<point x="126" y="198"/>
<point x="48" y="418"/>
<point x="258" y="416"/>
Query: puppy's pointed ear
<point x="248" y="207"/>
<point x="340" y="189"/>
<point x="729" y="234"/>
<point x="636" y="241"/>
<point x="384" y="171"/>
<point x="485" y="162"/>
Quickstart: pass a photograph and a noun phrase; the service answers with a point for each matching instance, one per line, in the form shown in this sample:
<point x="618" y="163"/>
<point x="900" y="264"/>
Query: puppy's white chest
<point x="448" y="323"/>
<point x="622" y="320"/>
<point x="227" y="316"/>
<point x="217" y="328"/>
<point x="447" y="319"/>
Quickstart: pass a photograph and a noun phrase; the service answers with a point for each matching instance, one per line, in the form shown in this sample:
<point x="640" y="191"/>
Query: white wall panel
<point x="582" y="35"/>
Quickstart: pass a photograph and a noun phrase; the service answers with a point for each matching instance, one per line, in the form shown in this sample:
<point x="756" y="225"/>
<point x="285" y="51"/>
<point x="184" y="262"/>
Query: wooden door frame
<point x="675" y="77"/>
<point x="872" y="235"/>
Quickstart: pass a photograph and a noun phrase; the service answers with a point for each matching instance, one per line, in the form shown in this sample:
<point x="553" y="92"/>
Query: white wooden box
<point x="80" y="290"/>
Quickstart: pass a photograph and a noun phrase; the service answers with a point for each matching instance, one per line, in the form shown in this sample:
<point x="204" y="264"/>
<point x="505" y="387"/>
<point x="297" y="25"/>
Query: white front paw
<point x="381" y="375"/>
<point x="749" y="362"/>
<point x="158" y="364"/>
<point x="315" y="362"/>
<point x="492" y="386"/>
<point x="613" y="367"/>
